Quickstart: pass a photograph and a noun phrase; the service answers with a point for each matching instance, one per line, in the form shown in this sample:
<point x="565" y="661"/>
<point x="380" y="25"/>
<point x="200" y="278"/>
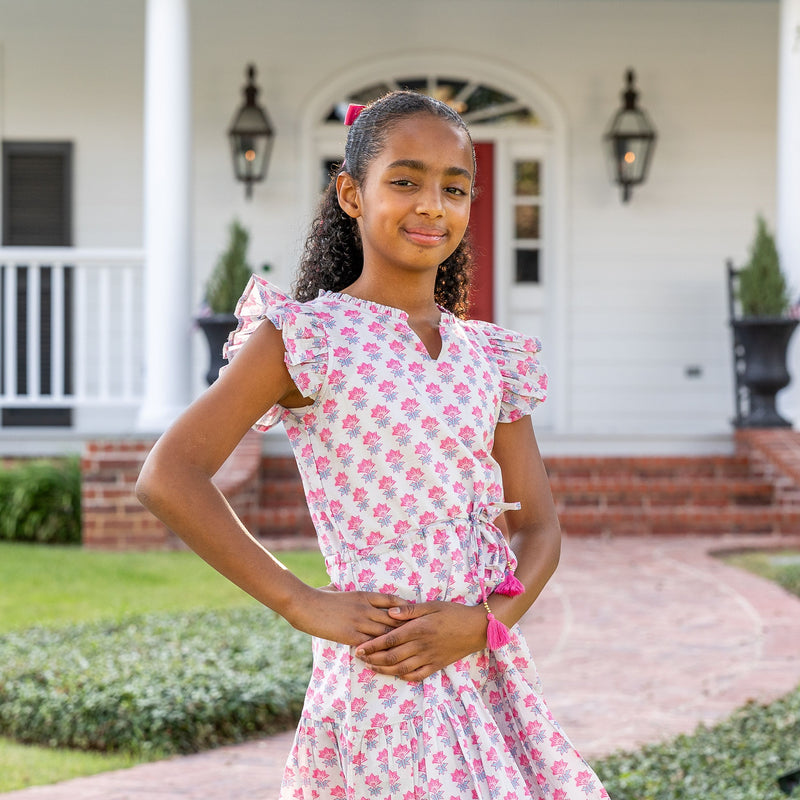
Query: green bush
<point x="231" y="273"/>
<point x="738" y="759"/>
<point x="763" y="291"/>
<point x="174" y="683"/>
<point x="40" y="501"/>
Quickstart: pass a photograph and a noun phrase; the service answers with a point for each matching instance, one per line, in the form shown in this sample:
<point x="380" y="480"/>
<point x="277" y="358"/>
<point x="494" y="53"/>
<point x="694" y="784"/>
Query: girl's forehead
<point x="427" y="134"/>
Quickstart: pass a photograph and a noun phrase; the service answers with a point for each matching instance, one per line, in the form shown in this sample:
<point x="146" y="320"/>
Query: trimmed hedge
<point x="175" y="683"/>
<point x="738" y="759"/>
<point x="40" y="501"/>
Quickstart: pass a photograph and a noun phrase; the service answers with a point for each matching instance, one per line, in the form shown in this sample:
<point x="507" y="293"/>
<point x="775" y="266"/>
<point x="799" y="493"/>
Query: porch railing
<point x="71" y="326"/>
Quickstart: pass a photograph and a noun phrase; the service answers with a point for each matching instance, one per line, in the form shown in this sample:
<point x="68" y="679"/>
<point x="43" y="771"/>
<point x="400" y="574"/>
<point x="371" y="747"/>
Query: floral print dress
<point x="395" y="457"/>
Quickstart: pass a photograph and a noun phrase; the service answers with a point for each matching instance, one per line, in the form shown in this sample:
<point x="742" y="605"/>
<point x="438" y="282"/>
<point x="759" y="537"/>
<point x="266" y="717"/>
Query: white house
<point x="118" y="190"/>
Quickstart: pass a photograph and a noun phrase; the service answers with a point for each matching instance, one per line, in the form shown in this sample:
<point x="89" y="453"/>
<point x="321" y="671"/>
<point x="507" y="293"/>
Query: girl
<point x="410" y="425"/>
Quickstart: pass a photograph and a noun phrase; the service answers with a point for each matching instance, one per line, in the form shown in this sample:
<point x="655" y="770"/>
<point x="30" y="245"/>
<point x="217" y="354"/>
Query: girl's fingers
<point x="400" y="662"/>
<point x="386" y="641"/>
<point x="393" y="657"/>
<point x="386" y="600"/>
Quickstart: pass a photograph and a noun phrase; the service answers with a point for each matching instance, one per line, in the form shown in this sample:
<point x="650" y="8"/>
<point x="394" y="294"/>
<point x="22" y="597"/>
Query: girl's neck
<point x="416" y="298"/>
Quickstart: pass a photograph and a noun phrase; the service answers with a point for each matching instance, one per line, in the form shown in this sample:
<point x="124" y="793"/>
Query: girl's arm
<point x="437" y="634"/>
<point x="175" y="484"/>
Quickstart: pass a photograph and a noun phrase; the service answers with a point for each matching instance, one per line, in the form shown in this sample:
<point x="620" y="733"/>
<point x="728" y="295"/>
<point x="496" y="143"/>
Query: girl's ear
<point x="348" y="195"/>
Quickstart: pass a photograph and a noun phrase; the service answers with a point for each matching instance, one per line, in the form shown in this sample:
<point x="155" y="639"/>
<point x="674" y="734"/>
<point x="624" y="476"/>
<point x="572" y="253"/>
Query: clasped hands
<point x="394" y="636"/>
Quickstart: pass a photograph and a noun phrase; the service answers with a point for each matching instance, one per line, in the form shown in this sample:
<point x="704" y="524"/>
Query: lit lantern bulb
<point x="250" y="155"/>
<point x="629" y="157"/>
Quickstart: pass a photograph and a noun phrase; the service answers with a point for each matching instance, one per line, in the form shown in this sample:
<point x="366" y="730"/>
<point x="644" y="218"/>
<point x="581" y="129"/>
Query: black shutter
<point x="37" y="194"/>
<point x="37" y="212"/>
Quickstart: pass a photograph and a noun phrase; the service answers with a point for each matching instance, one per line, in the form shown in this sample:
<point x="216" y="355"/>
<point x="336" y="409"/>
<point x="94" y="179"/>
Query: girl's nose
<point x="429" y="203"/>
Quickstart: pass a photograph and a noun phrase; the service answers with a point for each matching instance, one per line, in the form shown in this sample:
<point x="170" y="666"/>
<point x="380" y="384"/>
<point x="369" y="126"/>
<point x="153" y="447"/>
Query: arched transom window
<point x="476" y="102"/>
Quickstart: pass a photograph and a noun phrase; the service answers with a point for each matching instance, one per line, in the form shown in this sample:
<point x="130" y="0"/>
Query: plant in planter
<point x="761" y="332"/>
<point x="223" y="290"/>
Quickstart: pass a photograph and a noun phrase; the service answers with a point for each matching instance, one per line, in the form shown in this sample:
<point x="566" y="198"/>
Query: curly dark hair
<point x="332" y="258"/>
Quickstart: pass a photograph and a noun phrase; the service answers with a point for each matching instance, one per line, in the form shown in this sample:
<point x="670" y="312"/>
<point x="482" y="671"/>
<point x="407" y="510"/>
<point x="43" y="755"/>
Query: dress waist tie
<point x="497" y="634"/>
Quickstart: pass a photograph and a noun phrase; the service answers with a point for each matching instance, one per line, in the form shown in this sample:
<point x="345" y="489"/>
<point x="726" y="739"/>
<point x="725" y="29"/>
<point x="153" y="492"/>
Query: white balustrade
<point x="80" y="315"/>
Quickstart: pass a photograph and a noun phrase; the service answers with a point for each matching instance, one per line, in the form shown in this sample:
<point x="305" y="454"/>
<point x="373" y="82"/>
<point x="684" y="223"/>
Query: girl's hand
<point x="433" y="635"/>
<point x="351" y="618"/>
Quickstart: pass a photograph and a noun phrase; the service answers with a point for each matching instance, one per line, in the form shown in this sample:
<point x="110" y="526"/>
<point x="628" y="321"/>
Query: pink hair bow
<point x="353" y="111"/>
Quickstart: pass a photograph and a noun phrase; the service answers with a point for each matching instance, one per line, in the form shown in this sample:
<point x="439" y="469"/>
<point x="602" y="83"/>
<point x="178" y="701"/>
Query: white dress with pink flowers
<point x="395" y="457"/>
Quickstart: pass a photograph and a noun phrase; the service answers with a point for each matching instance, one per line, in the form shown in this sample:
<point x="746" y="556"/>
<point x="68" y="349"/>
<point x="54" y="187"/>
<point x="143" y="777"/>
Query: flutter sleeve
<point x="304" y="338"/>
<point x="523" y="378"/>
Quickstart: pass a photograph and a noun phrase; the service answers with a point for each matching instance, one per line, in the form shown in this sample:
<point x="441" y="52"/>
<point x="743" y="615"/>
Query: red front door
<point x="481" y="227"/>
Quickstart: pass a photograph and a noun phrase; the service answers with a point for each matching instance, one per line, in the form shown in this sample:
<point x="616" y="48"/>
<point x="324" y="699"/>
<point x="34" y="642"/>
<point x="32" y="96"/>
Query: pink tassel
<point x="510" y="586"/>
<point x="496" y="634"/>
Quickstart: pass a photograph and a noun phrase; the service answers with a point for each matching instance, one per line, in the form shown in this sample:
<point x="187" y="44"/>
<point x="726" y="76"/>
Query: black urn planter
<point x="217" y="328"/>
<point x="764" y="342"/>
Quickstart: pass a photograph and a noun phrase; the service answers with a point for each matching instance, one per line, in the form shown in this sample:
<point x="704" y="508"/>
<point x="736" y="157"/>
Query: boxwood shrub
<point x="174" y="683"/>
<point x="738" y="759"/>
<point x="40" y="501"/>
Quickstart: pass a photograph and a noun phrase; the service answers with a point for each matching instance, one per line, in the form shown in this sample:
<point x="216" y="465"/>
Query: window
<point x="477" y="103"/>
<point x="526" y="234"/>
<point x="37" y="193"/>
<point x="37" y="212"/>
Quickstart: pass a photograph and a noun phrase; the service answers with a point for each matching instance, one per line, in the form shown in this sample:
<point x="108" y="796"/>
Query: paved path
<point x="637" y="639"/>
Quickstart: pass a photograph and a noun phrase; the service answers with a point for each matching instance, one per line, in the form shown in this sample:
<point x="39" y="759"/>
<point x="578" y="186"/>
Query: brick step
<point x="601" y="467"/>
<point x="281" y="522"/>
<point x="276" y="467"/>
<point x="282" y="491"/>
<point x="686" y="520"/>
<point x="629" y="491"/>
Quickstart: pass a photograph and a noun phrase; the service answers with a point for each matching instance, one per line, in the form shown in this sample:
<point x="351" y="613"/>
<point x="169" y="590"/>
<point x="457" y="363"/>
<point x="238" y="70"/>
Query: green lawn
<point x="24" y="765"/>
<point x="781" y="566"/>
<point x="49" y="585"/>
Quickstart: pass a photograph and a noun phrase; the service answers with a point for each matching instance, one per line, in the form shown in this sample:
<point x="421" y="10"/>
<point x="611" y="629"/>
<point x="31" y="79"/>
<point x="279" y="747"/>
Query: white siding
<point x="645" y="281"/>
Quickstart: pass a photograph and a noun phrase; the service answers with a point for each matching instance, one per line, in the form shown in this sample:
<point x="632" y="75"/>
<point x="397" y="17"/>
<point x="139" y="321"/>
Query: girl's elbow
<point x="145" y="489"/>
<point x="150" y="488"/>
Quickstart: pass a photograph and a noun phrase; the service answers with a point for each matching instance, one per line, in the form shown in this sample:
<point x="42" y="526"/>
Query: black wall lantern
<point x="251" y="135"/>
<point x="630" y="140"/>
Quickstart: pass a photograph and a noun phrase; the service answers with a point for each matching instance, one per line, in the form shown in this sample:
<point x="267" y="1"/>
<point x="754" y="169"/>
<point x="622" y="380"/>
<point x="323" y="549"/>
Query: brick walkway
<point x="637" y="639"/>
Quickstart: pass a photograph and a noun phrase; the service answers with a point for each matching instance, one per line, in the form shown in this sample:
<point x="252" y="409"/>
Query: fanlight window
<point x="477" y="103"/>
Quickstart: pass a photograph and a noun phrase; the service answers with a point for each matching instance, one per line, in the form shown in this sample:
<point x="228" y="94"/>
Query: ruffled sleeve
<point x="304" y="338"/>
<point x="523" y="378"/>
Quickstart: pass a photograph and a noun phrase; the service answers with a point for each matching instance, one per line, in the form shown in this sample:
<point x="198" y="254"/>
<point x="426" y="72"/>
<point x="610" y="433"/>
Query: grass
<point x="25" y="765"/>
<point x="782" y="567"/>
<point x="52" y="585"/>
<point x="49" y="585"/>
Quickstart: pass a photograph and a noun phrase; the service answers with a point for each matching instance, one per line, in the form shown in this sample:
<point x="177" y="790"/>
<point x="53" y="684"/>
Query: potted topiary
<point x="223" y="290"/>
<point x="761" y="331"/>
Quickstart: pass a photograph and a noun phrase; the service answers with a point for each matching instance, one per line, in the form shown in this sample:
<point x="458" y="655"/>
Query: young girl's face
<point x="413" y="204"/>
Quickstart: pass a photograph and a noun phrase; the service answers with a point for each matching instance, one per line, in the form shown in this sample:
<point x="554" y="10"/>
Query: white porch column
<point x="167" y="163"/>
<point x="788" y="182"/>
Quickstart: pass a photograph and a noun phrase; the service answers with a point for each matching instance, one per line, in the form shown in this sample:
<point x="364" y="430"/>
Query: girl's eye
<point x="401" y="182"/>
<point x="455" y="190"/>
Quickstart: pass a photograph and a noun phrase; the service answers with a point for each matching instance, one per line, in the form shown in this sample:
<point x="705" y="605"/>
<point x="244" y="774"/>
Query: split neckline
<point x="379" y="308"/>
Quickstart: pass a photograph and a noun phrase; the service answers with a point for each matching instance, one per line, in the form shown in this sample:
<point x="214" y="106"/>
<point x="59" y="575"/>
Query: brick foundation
<point x="757" y="490"/>
<point x="113" y="519"/>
